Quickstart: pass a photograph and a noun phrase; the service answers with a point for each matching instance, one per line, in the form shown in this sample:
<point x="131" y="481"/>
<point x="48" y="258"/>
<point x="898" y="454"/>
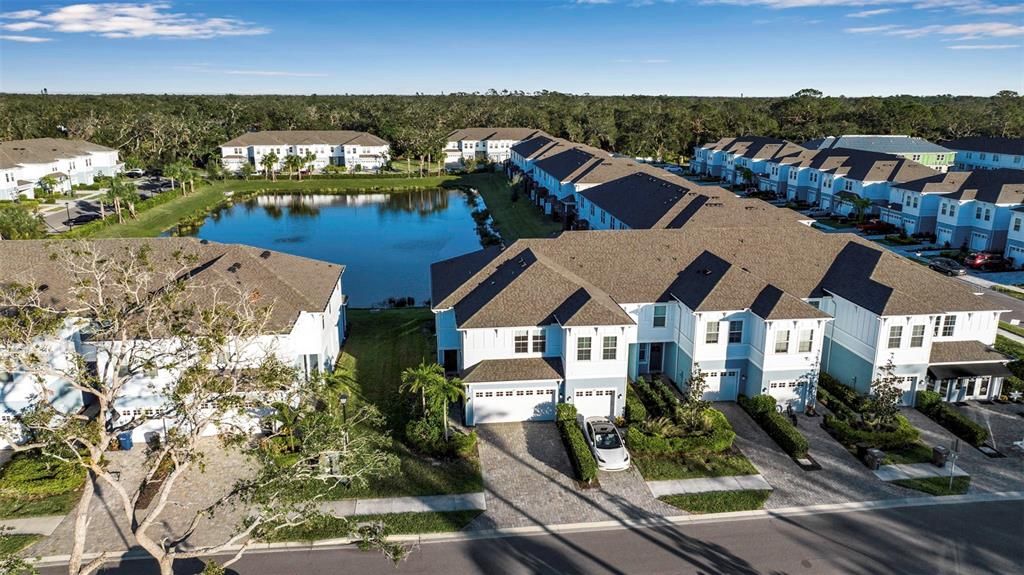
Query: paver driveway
<point x="528" y="480"/>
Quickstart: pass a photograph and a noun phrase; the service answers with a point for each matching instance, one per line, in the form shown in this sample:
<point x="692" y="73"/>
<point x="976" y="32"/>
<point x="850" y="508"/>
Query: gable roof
<point x="44" y="150"/>
<point x="305" y="138"/>
<point x="742" y="143"/>
<point x="480" y="134"/>
<point x="1010" y="146"/>
<point x="1002" y="186"/>
<point x="860" y="165"/>
<point x="883" y="144"/>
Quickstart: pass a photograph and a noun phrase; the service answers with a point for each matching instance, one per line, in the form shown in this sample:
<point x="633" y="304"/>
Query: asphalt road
<point x="80" y="211"/>
<point x="953" y="538"/>
<point x="1004" y="301"/>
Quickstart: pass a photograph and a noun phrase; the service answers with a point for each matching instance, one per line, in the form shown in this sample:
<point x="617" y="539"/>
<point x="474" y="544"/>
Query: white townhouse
<point x="306" y="326"/>
<point x="491" y="144"/>
<point x="985" y="153"/>
<point x="573" y="318"/>
<point x="356" y="151"/>
<point x="68" y="162"/>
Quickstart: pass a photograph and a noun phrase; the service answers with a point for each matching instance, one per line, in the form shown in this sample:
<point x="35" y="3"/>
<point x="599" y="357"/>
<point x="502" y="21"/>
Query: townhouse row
<point x="492" y="145"/>
<point x="23" y="163"/>
<point x="305" y="330"/>
<point x="356" y="151"/>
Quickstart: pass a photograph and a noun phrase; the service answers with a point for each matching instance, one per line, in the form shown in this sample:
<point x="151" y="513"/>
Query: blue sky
<point x="680" y="47"/>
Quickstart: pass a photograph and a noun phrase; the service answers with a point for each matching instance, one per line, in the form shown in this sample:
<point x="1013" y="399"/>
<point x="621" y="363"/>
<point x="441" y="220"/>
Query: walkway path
<point x="459" y="502"/>
<point x="44" y="525"/>
<point x="901" y="471"/>
<point x="708" y="484"/>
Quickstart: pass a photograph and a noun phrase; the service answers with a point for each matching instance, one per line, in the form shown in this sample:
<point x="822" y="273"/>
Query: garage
<point x="591" y="402"/>
<point x="721" y="385"/>
<point x="979" y="242"/>
<point x="507" y="405"/>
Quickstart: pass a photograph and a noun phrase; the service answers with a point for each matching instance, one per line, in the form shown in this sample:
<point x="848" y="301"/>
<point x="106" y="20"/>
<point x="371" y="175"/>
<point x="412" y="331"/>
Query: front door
<point x="451" y="361"/>
<point x="655" y="359"/>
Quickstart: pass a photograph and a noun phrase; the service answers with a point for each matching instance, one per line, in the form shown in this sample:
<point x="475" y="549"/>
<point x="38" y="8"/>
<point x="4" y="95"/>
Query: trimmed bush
<point x="651" y="399"/>
<point x="840" y="391"/>
<point x="635" y="410"/>
<point x="762" y="409"/>
<point x="718" y="437"/>
<point x="426" y="435"/>
<point x="847" y="434"/>
<point x="838" y="408"/>
<point x="931" y="404"/>
<point x="583" y="462"/>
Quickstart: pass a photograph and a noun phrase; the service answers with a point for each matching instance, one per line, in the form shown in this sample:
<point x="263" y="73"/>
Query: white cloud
<point x="26" y="39"/>
<point x="21" y="14"/>
<point x="23" y="26"/>
<point x="132" y="20"/>
<point x="961" y="31"/>
<point x="989" y="7"/>
<point x="984" y="46"/>
<point x="870" y="13"/>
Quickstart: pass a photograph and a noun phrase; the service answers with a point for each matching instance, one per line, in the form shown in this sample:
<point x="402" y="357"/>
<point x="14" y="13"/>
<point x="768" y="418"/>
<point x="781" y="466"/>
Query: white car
<point x="605" y="443"/>
<point x="134" y="173"/>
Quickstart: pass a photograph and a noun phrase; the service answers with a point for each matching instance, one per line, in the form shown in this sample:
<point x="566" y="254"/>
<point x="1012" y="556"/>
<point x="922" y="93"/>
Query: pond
<point x="386" y="241"/>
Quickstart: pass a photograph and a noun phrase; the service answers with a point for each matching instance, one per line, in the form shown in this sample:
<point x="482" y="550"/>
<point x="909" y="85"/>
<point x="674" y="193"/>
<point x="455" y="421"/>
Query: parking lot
<point x="65" y="214"/>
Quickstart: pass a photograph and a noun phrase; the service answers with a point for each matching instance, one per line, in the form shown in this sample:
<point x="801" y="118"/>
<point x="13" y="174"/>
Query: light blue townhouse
<point x="978" y="214"/>
<point x="987" y="153"/>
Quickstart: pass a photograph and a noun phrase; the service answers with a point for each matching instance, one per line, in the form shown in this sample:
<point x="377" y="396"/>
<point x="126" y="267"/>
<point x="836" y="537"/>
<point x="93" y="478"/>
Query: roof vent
<point x="265" y="254"/>
<point x="234" y="267"/>
<point x="706" y="271"/>
<point x="43" y="287"/>
<point x="204" y="242"/>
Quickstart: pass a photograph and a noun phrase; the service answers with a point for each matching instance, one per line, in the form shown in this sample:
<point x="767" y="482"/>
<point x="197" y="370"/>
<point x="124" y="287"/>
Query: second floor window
<point x="988" y="214"/>
<point x="806" y="341"/>
<point x="611" y="344"/>
<point x="660" y="313"/>
<point x="895" y="336"/>
<point x="1016" y="224"/>
<point x="949" y="326"/>
<point x="711" y="335"/>
<point x="782" y="341"/>
<point x="539" y="342"/>
<point x="522" y="342"/>
<point x="942" y="208"/>
<point x="735" y="331"/>
<point x="977" y="213"/>
<point x="583" y="346"/>
<point x="917" y="336"/>
<point x="848" y="185"/>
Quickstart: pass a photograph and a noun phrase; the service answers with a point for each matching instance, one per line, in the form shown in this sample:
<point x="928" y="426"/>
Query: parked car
<point x="947" y="266"/>
<point x="135" y="173"/>
<point x="987" y="262"/>
<point x="818" y="213"/>
<point x="876" y="226"/>
<point x="605" y="443"/>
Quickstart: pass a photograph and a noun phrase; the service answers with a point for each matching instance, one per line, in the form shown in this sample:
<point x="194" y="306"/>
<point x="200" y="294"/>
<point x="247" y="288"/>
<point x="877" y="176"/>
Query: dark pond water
<point x="387" y="241"/>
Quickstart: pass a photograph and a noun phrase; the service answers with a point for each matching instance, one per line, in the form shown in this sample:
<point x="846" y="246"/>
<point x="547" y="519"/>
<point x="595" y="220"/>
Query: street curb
<point x="922" y="501"/>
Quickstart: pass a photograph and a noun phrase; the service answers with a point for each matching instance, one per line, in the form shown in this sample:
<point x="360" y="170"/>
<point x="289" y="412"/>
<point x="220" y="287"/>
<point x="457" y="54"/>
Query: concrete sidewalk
<point x="44" y="525"/>
<point x="898" y="472"/>
<point x="708" y="484"/>
<point x="459" y="502"/>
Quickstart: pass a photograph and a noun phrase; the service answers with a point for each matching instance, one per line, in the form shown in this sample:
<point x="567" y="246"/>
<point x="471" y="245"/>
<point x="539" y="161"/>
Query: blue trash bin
<point x="124" y="440"/>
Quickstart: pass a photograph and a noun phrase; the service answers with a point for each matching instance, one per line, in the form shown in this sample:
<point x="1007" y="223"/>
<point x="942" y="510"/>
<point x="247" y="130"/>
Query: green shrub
<point x="635" y="410"/>
<point x="838" y="408"/>
<point x="762" y="410"/>
<point x="848" y="434"/>
<point x="1013" y="383"/>
<point x="33" y="475"/>
<point x="426" y="435"/>
<point x="666" y="396"/>
<point x="651" y="399"/>
<point x="931" y="404"/>
<point x="583" y="462"/>
<point x="717" y="437"/>
<point x="841" y="392"/>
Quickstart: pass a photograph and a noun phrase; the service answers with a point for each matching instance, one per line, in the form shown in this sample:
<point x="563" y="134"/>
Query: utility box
<point x="940" y="455"/>
<point x="874" y="458"/>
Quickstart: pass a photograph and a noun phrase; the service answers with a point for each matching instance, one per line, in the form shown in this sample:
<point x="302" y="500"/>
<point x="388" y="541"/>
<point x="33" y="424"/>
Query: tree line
<point x="153" y="130"/>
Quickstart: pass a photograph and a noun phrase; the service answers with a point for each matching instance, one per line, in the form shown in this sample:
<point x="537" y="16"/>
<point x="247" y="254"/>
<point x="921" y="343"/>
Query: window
<point x="522" y="341"/>
<point x="915" y="201"/>
<point x="848" y="185"/>
<point x="937" y="326"/>
<point x="806" y="341"/>
<point x="917" y="336"/>
<point x="1016" y="224"/>
<point x="711" y="335"/>
<point x="1016" y="159"/>
<point x="736" y="331"/>
<point x="948" y="326"/>
<point x="611" y="344"/>
<point x="995" y="157"/>
<point x="782" y="341"/>
<point x="952" y="209"/>
<point x="983" y="155"/>
<point x="988" y="214"/>
<point x="583" y="349"/>
<point x="977" y="213"/>
<point x="660" y="312"/>
<point x="642" y="352"/>
<point x="895" y="336"/>
<point x="539" y="342"/>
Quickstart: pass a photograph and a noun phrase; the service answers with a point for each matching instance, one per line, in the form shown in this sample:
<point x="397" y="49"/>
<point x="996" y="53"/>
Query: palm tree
<point x="122" y="192"/>
<point x="288" y="419"/>
<point x="420" y="378"/>
<point x="294" y="164"/>
<point x="860" y="204"/>
<point x="268" y="163"/>
<point x="307" y="160"/>
<point x="442" y="393"/>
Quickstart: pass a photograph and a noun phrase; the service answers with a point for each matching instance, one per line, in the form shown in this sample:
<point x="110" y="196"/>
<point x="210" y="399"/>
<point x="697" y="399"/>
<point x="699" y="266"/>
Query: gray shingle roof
<point x="963" y="352"/>
<point x="481" y="134"/>
<point x="522" y="369"/>
<point x="44" y="150"/>
<point x="883" y="144"/>
<point x="1002" y="186"/>
<point x="1010" y="146"/>
<point x="306" y="138"/>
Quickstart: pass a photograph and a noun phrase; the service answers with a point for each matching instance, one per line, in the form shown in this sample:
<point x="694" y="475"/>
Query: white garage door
<point x="721" y="385"/>
<point x="590" y="402"/>
<point x="944" y="236"/>
<point x="979" y="242"/>
<point x="504" y="405"/>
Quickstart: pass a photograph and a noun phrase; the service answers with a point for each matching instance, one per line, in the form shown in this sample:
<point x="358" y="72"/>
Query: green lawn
<point x="15" y="542"/>
<point x="719" y="501"/>
<point x="519" y="219"/>
<point x="663" y="467"/>
<point x="916" y="452"/>
<point x="1010" y="292"/>
<point x="32" y="485"/>
<point x="170" y="208"/>
<point x="381" y="344"/>
<point x="1014" y="329"/>
<point x="1009" y="347"/>
<point x="396" y="523"/>
<point x="59" y="504"/>
<point x="936" y="485"/>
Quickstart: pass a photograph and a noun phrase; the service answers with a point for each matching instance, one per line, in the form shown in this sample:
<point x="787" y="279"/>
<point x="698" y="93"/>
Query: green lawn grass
<point x="719" y="501"/>
<point x="936" y="485"/>
<point x="916" y="452"/>
<point x="514" y="220"/>
<point x="170" y="208"/>
<point x="396" y="524"/>
<point x="1010" y="292"/>
<point x="686" y="466"/>
<point x="1014" y="329"/>
<point x="59" y="504"/>
<point x="1009" y="347"/>
<point x="15" y="542"/>
<point x="381" y="344"/>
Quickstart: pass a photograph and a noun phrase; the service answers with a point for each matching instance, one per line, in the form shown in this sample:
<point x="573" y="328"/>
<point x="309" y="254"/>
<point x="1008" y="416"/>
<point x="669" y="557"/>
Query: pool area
<point x="386" y="240"/>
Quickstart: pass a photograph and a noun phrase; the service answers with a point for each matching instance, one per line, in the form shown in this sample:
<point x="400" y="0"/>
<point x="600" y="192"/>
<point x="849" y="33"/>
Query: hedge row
<point x="930" y="403"/>
<point x="762" y="409"/>
<point x="659" y="400"/>
<point x="847" y="434"/>
<point x="837" y="407"/>
<point x="842" y="392"/>
<point x="583" y="462"/>
<point x="719" y="437"/>
<point x="635" y="410"/>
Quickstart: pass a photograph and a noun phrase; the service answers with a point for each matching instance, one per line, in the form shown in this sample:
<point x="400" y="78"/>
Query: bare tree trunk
<point x="117" y="209"/>
<point x="81" y="523"/>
